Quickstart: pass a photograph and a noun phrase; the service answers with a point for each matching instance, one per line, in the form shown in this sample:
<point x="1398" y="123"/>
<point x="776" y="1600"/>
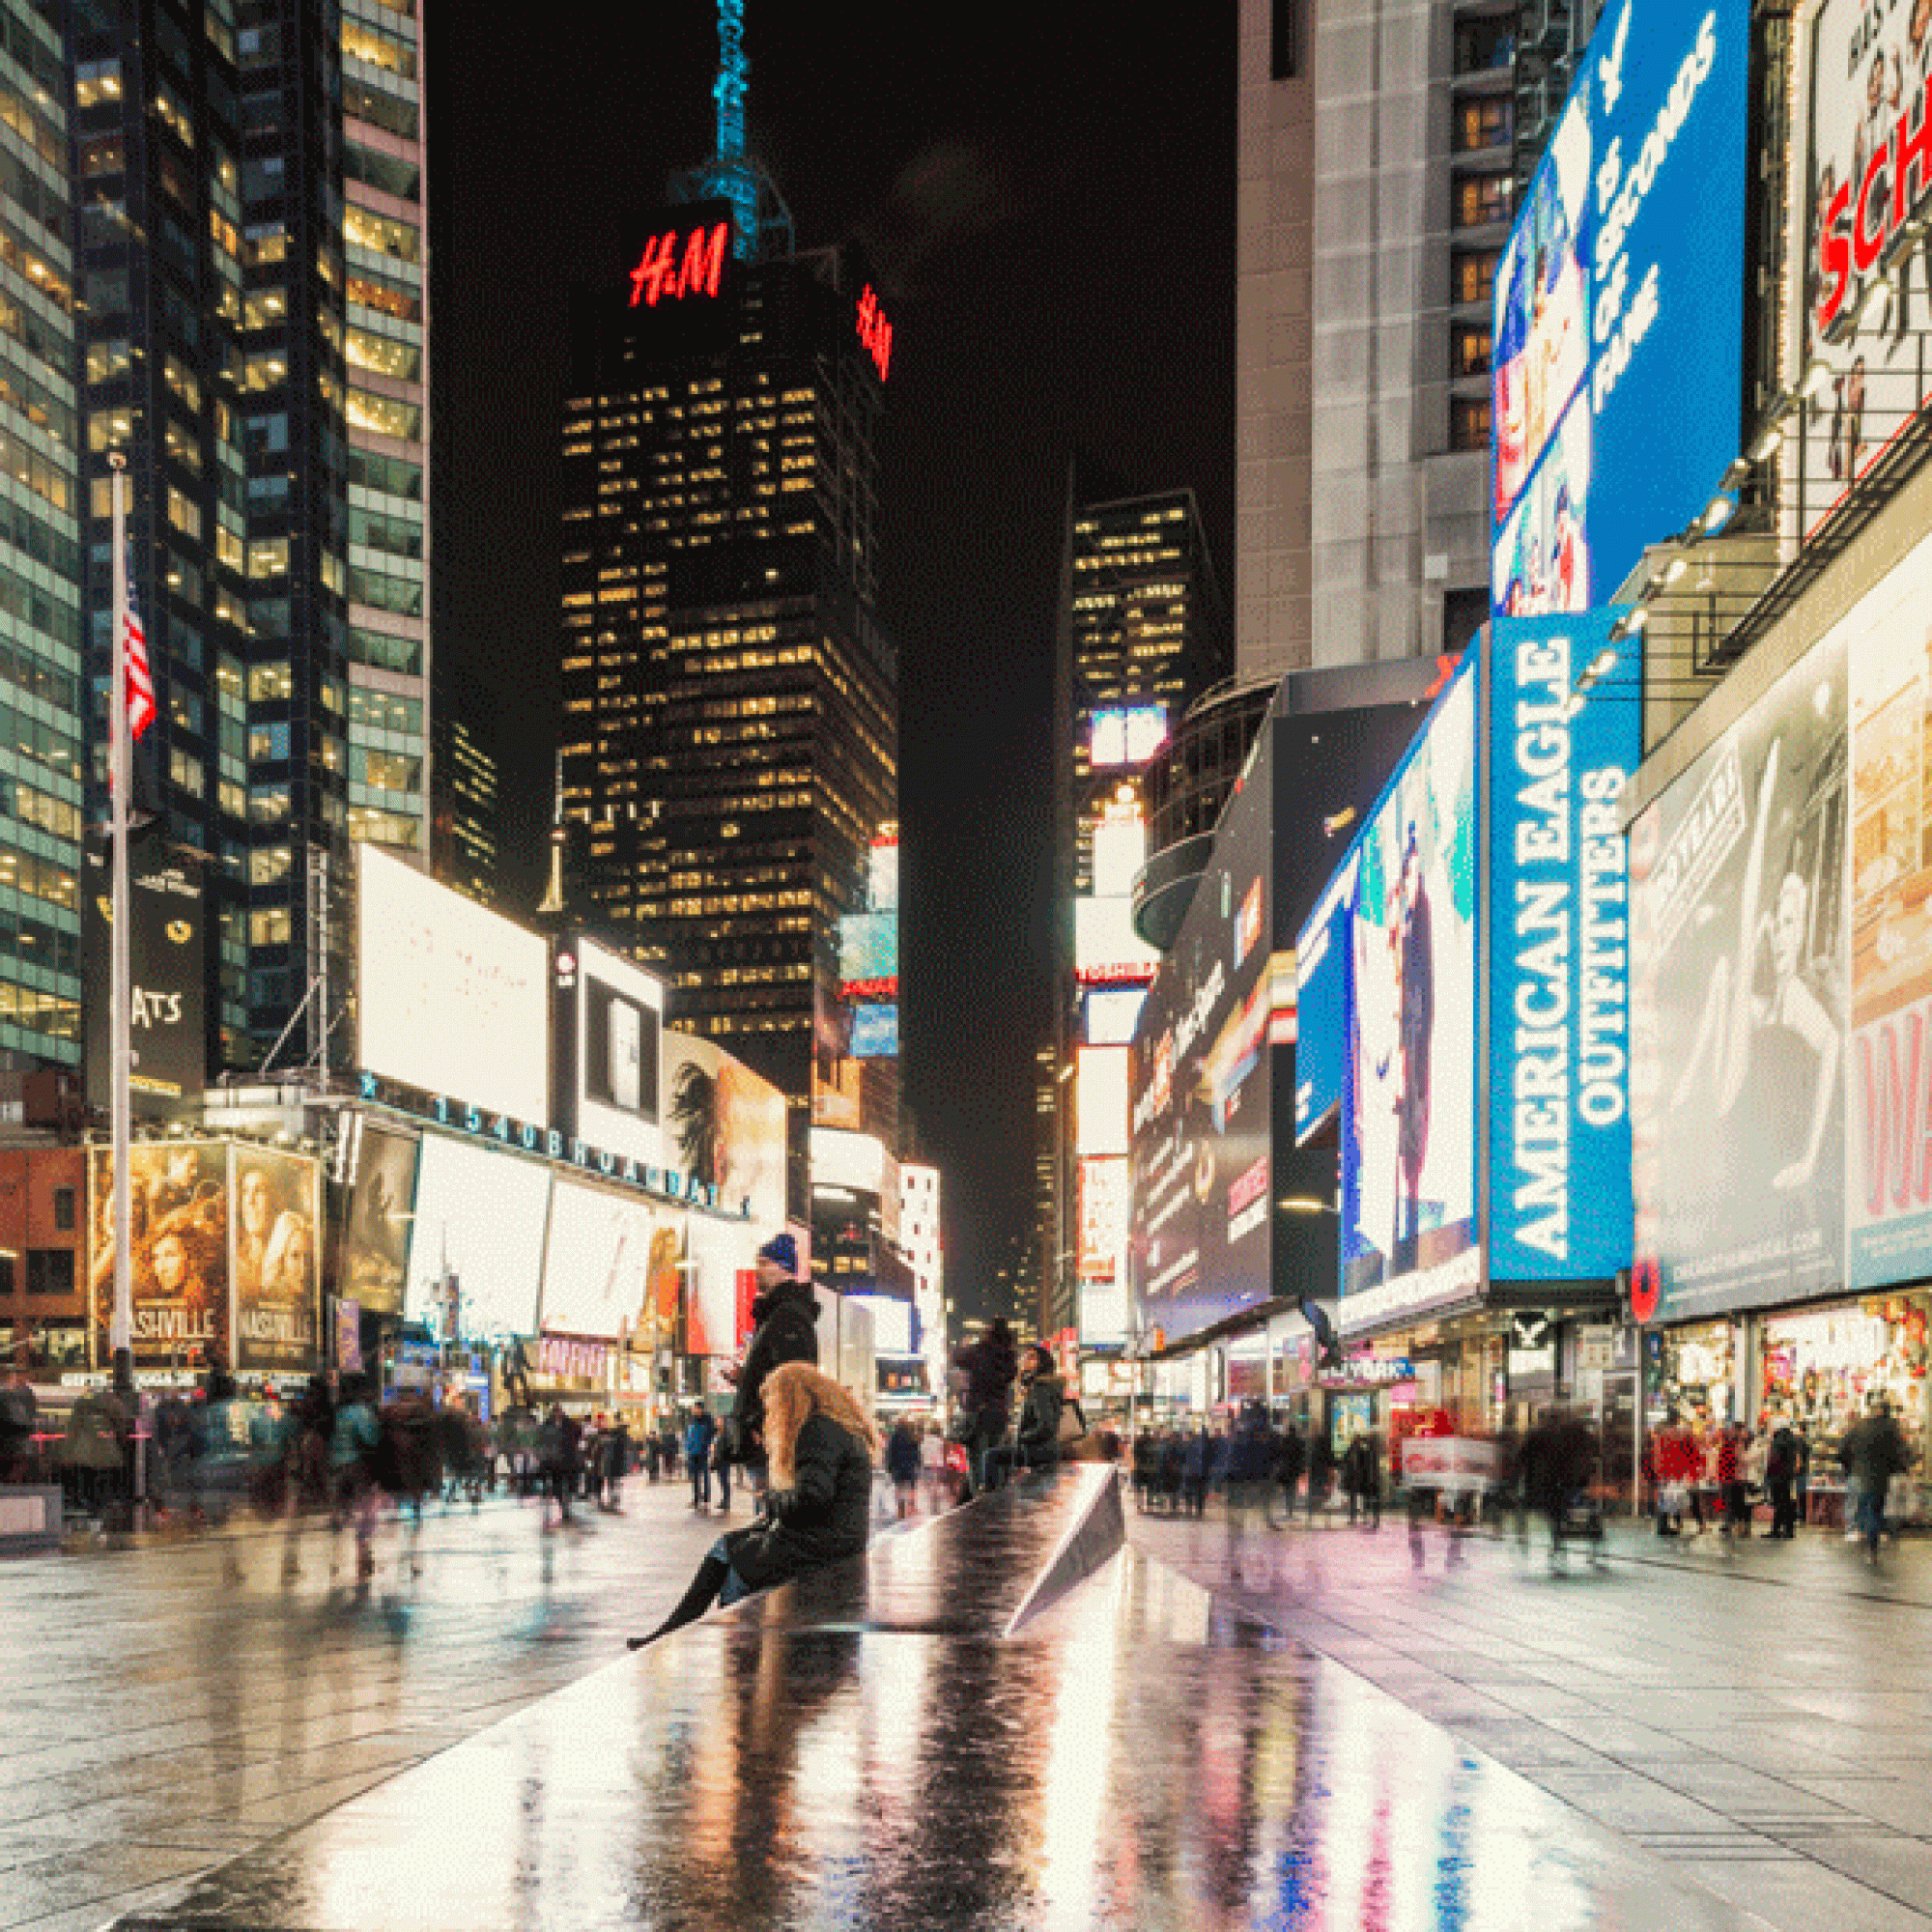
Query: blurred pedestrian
<point x="351" y="1452"/>
<point x="990" y="1365"/>
<point x="932" y="1465"/>
<point x="1321" y="1468"/>
<point x="699" y="1432"/>
<point x="1781" y="1478"/>
<point x="1873" y="1452"/>
<point x="1196" y="1469"/>
<point x="1362" y="1478"/>
<point x="1290" y="1463"/>
<point x="904" y="1466"/>
<point x="20" y="1418"/>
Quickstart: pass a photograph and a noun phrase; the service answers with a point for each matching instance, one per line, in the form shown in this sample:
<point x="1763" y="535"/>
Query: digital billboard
<point x="719" y="1284"/>
<point x="1737" y="1008"/>
<point x="891" y="1322"/>
<point x="450" y="998"/>
<point x="483" y="1214"/>
<point x="1409" y="1106"/>
<point x="275" y="1260"/>
<point x="726" y="1125"/>
<point x="609" y="1018"/>
<point x="1126" y="736"/>
<point x="609" y="1261"/>
<point x="1107" y="951"/>
<point x="1112" y="1013"/>
<point x="1199" y="1089"/>
<point x="875" y="1031"/>
<point x="1105" y="1201"/>
<point x="378" y="1207"/>
<point x="1559" y="987"/>
<point x="1100" y="1099"/>
<point x="1866" y="79"/>
<point x="868" y="955"/>
<point x="1322" y="1007"/>
<point x="1617" y="386"/>
<point x="178" y="1221"/>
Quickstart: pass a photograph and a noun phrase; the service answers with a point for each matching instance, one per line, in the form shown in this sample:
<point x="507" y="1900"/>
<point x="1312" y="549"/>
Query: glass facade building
<point x="730" y="712"/>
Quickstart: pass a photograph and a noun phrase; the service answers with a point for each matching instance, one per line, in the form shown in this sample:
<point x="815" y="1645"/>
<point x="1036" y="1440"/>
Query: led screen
<point x="616" y="1011"/>
<point x="609" y="1263"/>
<point x="372" y="1256"/>
<point x="450" y="998"/>
<point x="1127" y="736"/>
<point x="1321" y="973"/>
<point x="725" y="1125"/>
<point x="1866" y="73"/>
<point x="1105" y="1201"/>
<point x="868" y="949"/>
<point x="483" y="1213"/>
<point x="1408" y="1112"/>
<point x="1100" y="1099"/>
<point x="721" y="1283"/>
<point x="1106" y="948"/>
<point x="1619" y="307"/>
<point x="1112" y="1013"/>
<point x="891" y="1322"/>
<point x="876" y="1032"/>
<point x="1559" y="986"/>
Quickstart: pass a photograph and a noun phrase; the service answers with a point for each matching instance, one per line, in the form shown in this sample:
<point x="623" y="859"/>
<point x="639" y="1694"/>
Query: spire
<point x="554" y="906"/>
<point x="762" y="222"/>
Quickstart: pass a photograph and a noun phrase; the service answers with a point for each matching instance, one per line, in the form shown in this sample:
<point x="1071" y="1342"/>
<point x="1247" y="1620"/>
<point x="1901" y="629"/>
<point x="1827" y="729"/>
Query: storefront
<point x="1694" y="1374"/>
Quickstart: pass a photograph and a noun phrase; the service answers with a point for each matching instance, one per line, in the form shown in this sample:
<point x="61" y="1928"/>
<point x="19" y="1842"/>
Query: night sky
<point x="1048" y="196"/>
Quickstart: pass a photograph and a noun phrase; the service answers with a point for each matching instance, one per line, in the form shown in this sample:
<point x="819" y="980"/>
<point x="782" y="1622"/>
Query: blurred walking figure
<point x="1362" y="1478"/>
<point x="1780" y="1478"/>
<point x="817" y="1508"/>
<point x="904" y="1466"/>
<point x="1197" y="1467"/>
<point x="932" y="1465"/>
<point x="1874" y="1452"/>
<point x="699" y="1432"/>
<point x="351" y="1452"/>
<point x="1320" y="1469"/>
<point x="1290" y="1463"/>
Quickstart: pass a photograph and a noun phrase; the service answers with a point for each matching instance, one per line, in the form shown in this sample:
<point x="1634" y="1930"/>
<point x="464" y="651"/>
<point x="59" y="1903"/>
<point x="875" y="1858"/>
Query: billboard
<point x="275" y="1260"/>
<point x="891" y="1322"/>
<point x="1866" y="78"/>
<point x="1409" y="1106"/>
<point x="721" y="1282"/>
<point x="1126" y="736"/>
<point x="379" y="1205"/>
<point x="1559" y="989"/>
<point x="450" y="998"/>
<point x="1107" y="951"/>
<point x="876" y="1032"/>
<point x="1112" y="1014"/>
<point x="1737" y="1008"/>
<point x="482" y="1213"/>
<point x="726" y="1125"/>
<point x="609" y="1018"/>
<point x="167" y="1010"/>
<point x="868" y="955"/>
<point x="1100" y="1099"/>
<point x="610" y="1263"/>
<point x="1199" y="1088"/>
<point x="178" y="1221"/>
<point x="1619" y="307"/>
<point x="1322" y="1007"/>
<point x="1105" y="1203"/>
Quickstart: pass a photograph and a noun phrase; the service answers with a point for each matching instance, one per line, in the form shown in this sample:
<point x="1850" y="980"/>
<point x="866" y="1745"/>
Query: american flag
<point x="140" y="678"/>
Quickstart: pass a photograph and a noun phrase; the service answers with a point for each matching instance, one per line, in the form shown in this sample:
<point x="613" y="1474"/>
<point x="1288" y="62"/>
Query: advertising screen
<point x="1198" y="1086"/>
<point x="614" y="1014"/>
<point x="891" y="1322"/>
<point x="1112" y="1014"/>
<point x="1105" y="1201"/>
<point x="876" y="1032"/>
<point x="167" y="1012"/>
<point x="1867" y="77"/>
<point x="1322" y="1003"/>
<point x="484" y="1213"/>
<point x="450" y="998"/>
<point x="1107" y="951"/>
<point x="1737" y="1008"/>
<point x="275" y="1260"/>
<point x="726" y="1125"/>
<point x="179" y="1222"/>
<point x="1126" y="736"/>
<point x="1559" y="986"/>
<point x="373" y="1258"/>
<point x="609" y="1262"/>
<point x="1100" y="1099"/>
<point x="1409" y="1108"/>
<point x="719" y="1284"/>
<point x="1619" y="307"/>
<point x="868" y="953"/>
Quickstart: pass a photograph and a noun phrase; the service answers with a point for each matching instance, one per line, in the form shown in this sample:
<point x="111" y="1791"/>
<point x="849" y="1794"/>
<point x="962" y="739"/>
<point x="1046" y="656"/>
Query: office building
<point x="730" y="718"/>
<point x="40" y="626"/>
<point x="1379" y="152"/>
<point x="467" y="843"/>
<point x="1141" y="633"/>
<point x="252" y="335"/>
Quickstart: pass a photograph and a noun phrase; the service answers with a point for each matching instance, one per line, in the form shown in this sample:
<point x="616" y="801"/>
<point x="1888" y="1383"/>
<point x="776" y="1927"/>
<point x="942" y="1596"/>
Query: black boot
<point x="703" y="1594"/>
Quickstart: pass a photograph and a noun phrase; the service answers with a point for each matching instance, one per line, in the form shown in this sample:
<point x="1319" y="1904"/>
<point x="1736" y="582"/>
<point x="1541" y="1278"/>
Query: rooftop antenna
<point x="552" y="906"/>
<point x="761" y="222"/>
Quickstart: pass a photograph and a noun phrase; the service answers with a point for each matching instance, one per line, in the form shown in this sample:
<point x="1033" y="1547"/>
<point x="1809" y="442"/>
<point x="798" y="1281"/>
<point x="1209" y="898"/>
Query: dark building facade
<point x="252" y="325"/>
<point x="730" y="715"/>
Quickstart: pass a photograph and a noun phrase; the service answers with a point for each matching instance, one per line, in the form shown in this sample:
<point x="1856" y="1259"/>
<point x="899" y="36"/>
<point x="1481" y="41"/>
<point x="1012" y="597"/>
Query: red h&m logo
<point x="875" y="331"/>
<point x="662" y="275"/>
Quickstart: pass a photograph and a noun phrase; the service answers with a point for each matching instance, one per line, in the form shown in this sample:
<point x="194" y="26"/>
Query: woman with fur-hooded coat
<point x="819" y="1509"/>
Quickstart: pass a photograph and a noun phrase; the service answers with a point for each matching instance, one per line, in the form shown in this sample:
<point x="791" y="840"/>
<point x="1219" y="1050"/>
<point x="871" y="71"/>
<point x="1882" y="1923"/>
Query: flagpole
<point x="121" y="956"/>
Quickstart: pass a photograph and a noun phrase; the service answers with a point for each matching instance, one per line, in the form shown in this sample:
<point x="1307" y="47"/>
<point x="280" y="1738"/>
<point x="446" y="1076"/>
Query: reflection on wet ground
<point x="1140" y="1758"/>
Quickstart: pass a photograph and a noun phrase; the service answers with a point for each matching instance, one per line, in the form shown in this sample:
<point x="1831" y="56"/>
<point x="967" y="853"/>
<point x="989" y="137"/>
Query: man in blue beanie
<point x="786" y="1315"/>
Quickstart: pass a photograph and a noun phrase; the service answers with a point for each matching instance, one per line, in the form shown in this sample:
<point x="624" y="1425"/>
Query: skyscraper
<point x="1142" y="632"/>
<point x="730" y="718"/>
<point x="253" y="337"/>
<point x="41" y="631"/>
<point x="1380" y="149"/>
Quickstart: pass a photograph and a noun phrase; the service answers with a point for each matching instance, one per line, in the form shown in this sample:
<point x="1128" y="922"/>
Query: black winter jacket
<point x="826" y="1517"/>
<point x="1038" y="1434"/>
<point x="787" y="1331"/>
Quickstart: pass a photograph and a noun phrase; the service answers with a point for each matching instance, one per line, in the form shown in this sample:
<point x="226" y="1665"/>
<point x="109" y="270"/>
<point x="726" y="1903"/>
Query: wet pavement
<point x="1138" y="1756"/>
<point x="165" y="1708"/>
<point x="1757" y="1716"/>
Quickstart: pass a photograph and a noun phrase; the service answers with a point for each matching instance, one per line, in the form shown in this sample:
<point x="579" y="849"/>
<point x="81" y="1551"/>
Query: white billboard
<point x="450" y="998"/>
<point x="483" y="1214"/>
<point x="620" y="1020"/>
<point x="1107" y="951"/>
<point x="608" y="1261"/>
<point x="1100" y="1100"/>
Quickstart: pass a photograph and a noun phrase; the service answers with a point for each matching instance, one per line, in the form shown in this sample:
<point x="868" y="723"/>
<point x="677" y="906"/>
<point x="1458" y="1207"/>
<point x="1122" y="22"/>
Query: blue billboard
<point x="1565" y="735"/>
<point x="1322" y="1007"/>
<point x="1617" y="386"/>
